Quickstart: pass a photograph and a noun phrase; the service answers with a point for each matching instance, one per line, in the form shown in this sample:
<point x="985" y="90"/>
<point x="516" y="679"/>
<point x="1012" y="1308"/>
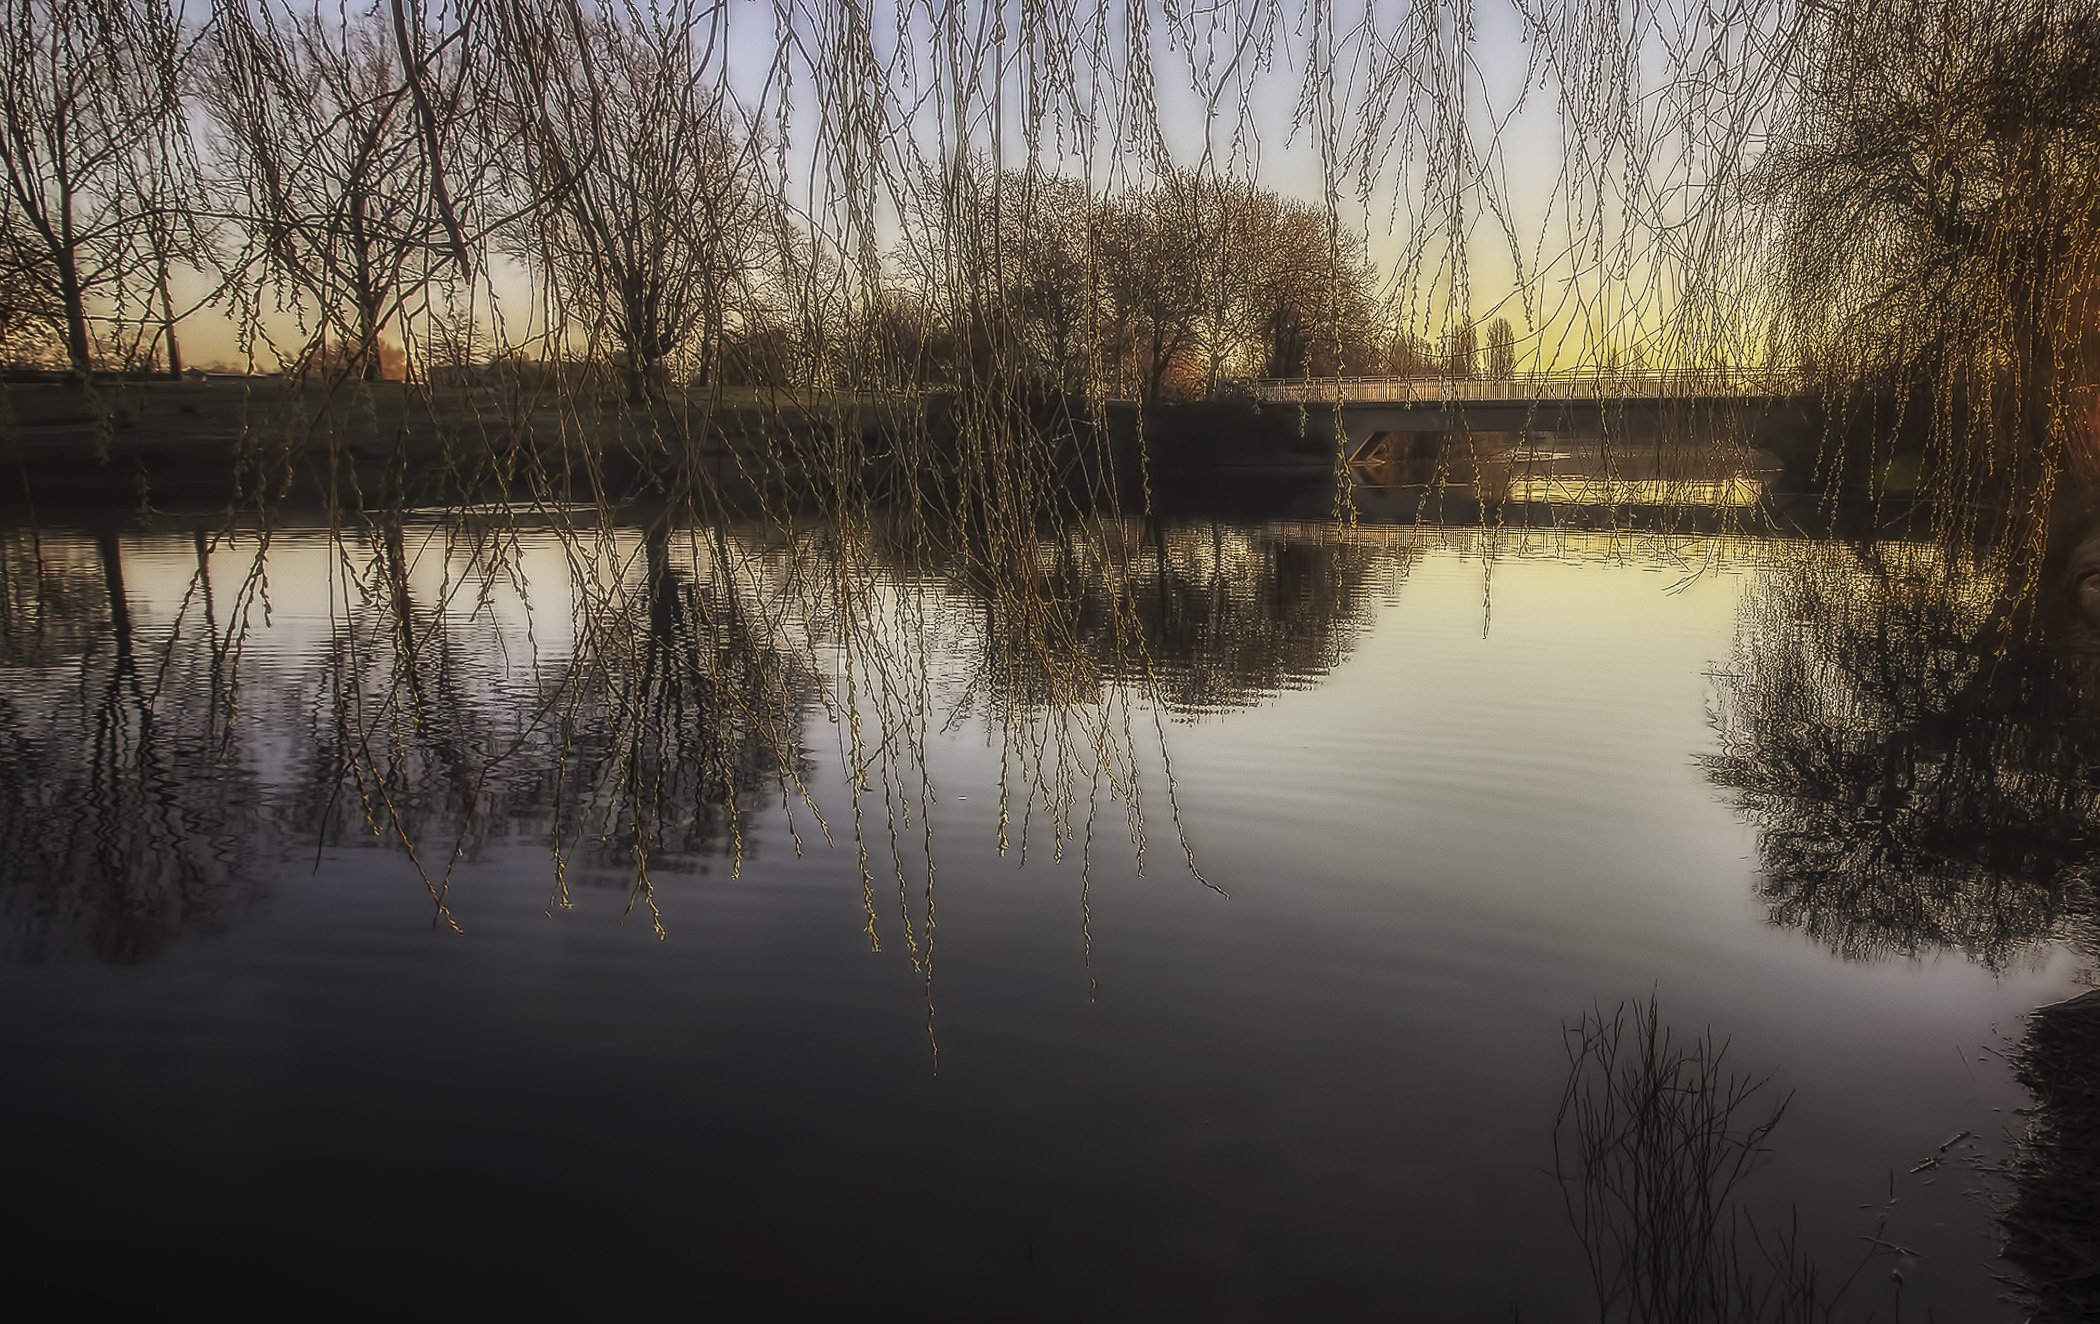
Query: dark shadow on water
<point x="2052" y="1217"/>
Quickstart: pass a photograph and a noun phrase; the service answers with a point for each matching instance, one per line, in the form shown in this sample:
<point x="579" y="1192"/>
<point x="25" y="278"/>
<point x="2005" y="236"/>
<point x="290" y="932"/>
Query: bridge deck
<point x="1533" y="388"/>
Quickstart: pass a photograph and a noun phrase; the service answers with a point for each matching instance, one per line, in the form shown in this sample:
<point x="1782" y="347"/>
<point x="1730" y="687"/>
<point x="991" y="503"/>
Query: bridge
<point x="1770" y="403"/>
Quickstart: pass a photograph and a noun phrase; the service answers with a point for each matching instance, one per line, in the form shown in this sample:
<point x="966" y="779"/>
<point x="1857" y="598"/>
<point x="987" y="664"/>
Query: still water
<point x="1317" y="840"/>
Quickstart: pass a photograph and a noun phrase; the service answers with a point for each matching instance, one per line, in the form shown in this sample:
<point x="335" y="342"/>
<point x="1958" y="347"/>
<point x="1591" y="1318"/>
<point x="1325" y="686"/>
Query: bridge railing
<point x="1529" y="387"/>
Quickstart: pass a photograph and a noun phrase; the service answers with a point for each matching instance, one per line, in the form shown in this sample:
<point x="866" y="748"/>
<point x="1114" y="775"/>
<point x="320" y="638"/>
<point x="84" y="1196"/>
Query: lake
<point x="800" y="920"/>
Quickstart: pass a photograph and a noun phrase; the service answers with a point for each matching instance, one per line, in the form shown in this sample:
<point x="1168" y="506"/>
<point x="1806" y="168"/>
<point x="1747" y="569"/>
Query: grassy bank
<point x="170" y="445"/>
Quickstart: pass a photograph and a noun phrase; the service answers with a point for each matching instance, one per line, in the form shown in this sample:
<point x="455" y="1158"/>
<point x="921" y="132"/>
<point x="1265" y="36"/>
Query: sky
<point x="1323" y="99"/>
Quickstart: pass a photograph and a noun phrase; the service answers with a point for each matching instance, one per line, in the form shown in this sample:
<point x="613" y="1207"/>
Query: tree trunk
<point x="637" y="334"/>
<point x="78" y="347"/>
<point x="167" y="314"/>
<point x="112" y="558"/>
<point x="368" y="313"/>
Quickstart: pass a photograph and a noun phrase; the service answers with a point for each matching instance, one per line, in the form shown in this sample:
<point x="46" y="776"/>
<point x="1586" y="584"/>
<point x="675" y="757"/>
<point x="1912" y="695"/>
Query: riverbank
<point x="270" y="445"/>
<point x="170" y="445"/>
<point x="199" y="446"/>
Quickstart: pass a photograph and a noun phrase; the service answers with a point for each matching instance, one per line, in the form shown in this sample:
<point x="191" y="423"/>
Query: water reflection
<point x="1572" y="468"/>
<point x="189" y="713"/>
<point x="170" y="743"/>
<point x="2052" y="1222"/>
<point x="1443" y="773"/>
<point x="120" y="824"/>
<point x="1920" y="763"/>
<point x="643" y="726"/>
<point x="1918" y="760"/>
<point x="1916" y="738"/>
<point x="1205" y="616"/>
<point x="1655" y="1137"/>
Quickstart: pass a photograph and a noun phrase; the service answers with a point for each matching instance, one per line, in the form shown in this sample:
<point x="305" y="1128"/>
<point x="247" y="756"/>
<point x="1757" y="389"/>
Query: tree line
<point x="359" y="174"/>
<point x="1894" y="192"/>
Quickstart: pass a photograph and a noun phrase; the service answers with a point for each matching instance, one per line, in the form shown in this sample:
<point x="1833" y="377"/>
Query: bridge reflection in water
<point x="1722" y="411"/>
<point x="1569" y="470"/>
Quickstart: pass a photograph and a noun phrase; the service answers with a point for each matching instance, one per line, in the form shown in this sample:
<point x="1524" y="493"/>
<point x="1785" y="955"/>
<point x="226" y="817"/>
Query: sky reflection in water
<point x="1456" y="786"/>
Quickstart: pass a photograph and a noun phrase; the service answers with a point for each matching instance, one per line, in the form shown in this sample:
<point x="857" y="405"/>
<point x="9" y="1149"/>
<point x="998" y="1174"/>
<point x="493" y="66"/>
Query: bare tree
<point x="1172" y="287"/>
<point x="1224" y="209"/>
<point x="165" y="177"/>
<point x="1282" y="291"/>
<point x="650" y="207"/>
<point x="1053" y="237"/>
<point x="975" y="261"/>
<point x="31" y="320"/>
<point x="329" y="166"/>
<point x="1152" y="260"/>
<point x="84" y="85"/>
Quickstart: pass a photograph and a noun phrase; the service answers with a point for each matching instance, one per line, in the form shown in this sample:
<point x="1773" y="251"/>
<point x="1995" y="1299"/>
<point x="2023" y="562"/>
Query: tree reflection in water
<point x="115" y="843"/>
<point x="1655" y="1136"/>
<point x="1921" y="774"/>
<point x="629" y="699"/>
<point x="1216" y="616"/>
<point x="1222" y="613"/>
<point x="1918" y="746"/>
<point x="651" y="740"/>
